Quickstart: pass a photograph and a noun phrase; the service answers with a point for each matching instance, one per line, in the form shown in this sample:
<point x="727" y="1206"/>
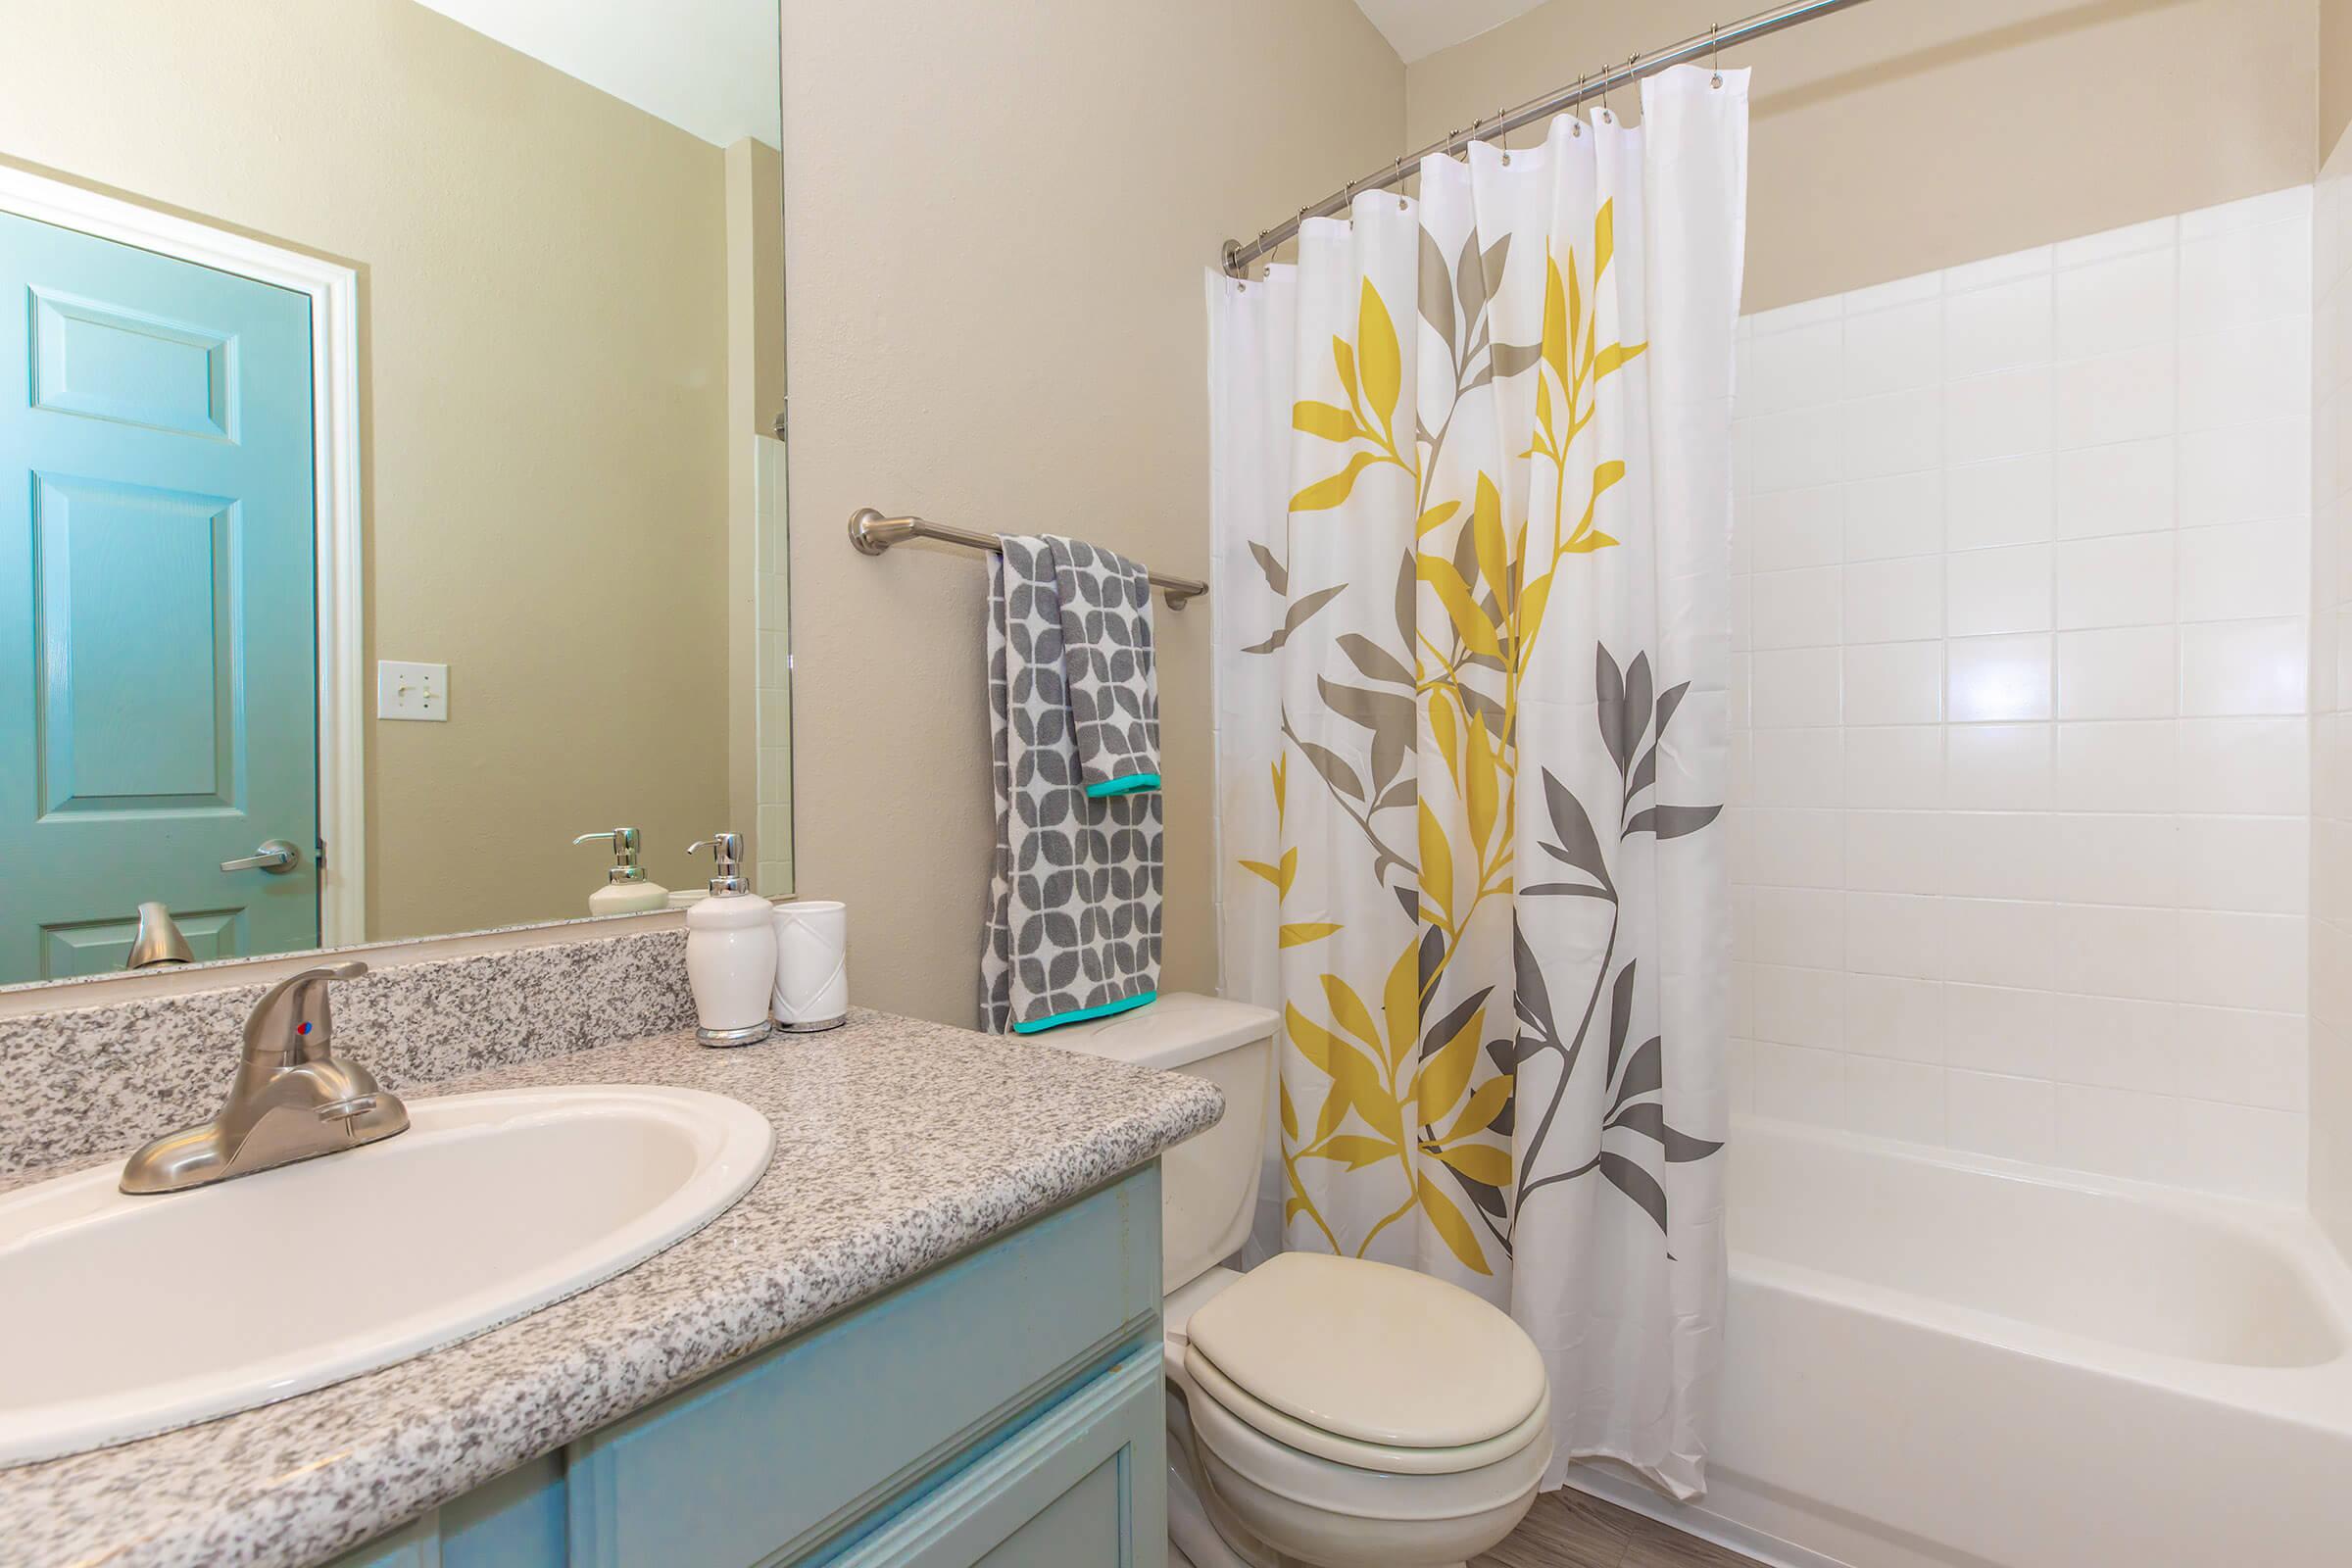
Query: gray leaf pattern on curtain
<point x="1476" y="735"/>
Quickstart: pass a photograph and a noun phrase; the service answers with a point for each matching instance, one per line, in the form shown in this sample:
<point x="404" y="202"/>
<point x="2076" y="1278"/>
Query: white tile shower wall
<point x="2332" y="700"/>
<point x="2019" y="819"/>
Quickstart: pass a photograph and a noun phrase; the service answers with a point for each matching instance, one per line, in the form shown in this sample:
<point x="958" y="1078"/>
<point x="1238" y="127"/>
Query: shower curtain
<point x="1471" y="516"/>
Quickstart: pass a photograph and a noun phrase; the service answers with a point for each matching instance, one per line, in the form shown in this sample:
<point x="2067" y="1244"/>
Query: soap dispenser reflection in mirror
<point x="627" y="890"/>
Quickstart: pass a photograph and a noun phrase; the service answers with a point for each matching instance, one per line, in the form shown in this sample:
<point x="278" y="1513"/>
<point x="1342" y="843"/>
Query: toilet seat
<point x="1362" y="1358"/>
<point x="1245" y="1461"/>
<point x="1353" y="1452"/>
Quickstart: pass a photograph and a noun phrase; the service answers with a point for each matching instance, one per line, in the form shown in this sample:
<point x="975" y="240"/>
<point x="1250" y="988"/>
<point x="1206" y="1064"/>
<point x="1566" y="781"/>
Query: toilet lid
<point x="1372" y="1352"/>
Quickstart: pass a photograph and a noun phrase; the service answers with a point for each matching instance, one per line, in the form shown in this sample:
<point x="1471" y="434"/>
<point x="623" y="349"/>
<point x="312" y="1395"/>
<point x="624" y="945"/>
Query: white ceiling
<point x="707" y="66"/>
<point x="1419" y="28"/>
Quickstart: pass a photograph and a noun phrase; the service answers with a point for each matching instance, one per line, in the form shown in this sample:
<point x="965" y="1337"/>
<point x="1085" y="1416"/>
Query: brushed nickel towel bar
<point x="1239" y="255"/>
<point x="873" y="533"/>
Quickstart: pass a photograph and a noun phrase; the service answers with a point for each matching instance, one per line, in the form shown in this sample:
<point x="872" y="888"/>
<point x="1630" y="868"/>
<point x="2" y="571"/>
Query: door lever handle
<point x="276" y="856"/>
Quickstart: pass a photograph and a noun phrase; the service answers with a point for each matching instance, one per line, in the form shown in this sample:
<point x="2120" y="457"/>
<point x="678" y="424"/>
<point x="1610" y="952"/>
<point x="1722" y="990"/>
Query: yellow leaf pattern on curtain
<point x="1479" y="448"/>
<point x="1377" y="387"/>
<point x="1491" y="591"/>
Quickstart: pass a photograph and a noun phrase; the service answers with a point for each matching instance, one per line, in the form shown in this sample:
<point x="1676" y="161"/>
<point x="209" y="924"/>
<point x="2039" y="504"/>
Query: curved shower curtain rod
<point x="1239" y="255"/>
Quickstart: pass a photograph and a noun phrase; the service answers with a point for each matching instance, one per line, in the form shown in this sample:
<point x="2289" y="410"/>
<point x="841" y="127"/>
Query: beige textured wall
<point x="2335" y="74"/>
<point x="544" y="298"/>
<point x="997" y="219"/>
<point x="1904" y="136"/>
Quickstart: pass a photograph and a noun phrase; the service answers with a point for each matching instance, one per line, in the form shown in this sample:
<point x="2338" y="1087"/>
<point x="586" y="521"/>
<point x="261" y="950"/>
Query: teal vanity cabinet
<point x="1005" y="1409"/>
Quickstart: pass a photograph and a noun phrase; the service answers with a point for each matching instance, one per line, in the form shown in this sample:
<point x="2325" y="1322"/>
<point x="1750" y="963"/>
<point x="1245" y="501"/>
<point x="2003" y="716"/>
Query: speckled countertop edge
<point x="899" y="1145"/>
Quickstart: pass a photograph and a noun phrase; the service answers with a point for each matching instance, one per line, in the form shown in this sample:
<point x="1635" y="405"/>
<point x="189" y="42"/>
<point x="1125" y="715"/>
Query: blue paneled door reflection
<point x="158" y="626"/>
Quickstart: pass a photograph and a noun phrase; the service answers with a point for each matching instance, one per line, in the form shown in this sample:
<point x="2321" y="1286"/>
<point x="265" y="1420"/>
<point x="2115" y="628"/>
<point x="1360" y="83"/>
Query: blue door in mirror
<point x="157" y="632"/>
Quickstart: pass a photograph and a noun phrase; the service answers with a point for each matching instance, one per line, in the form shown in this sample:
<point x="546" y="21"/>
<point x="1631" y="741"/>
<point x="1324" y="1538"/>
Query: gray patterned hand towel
<point x="1073" y="920"/>
<point x="1107" y="648"/>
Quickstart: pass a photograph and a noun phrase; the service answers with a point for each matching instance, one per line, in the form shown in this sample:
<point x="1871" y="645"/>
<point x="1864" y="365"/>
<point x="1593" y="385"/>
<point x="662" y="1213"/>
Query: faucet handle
<point x="293" y="1019"/>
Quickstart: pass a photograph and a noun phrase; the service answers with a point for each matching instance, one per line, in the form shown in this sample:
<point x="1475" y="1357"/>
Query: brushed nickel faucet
<point x="159" y="942"/>
<point x="291" y="1101"/>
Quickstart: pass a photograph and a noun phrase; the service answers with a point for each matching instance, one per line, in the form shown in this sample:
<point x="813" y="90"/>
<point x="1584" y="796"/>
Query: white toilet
<point x="1321" y="1411"/>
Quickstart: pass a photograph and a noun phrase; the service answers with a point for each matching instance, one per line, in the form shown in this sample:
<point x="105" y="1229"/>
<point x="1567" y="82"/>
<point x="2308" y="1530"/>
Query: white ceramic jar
<point x="813" y="966"/>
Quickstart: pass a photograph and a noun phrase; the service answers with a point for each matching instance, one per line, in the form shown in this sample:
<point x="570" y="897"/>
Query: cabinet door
<point x="515" y="1521"/>
<point x="776" y="1457"/>
<point x="414" y="1544"/>
<point x="1081" y="1487"/>
<point x="914" y="1430"/>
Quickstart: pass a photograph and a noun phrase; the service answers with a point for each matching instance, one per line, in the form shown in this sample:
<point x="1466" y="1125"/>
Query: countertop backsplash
<point x="84" y="1082"/>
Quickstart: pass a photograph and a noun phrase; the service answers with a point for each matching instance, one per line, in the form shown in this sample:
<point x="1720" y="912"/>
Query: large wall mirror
<point x="391" y="489"/>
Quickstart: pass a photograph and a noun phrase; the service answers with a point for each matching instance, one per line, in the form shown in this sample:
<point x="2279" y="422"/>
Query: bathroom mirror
<point x="391" y="488"/>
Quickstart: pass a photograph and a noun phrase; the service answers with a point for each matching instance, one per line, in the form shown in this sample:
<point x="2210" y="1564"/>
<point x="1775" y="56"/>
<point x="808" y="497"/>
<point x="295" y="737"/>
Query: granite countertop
<point x="899" y="1144"/>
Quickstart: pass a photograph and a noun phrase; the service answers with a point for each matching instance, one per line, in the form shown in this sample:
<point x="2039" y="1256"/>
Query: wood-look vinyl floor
<point x="1566" y="1529"/>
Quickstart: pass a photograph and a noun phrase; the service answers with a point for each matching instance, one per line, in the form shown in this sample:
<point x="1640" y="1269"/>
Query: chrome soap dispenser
<point x="627" y="890"/>
<point x="730" y="952"/>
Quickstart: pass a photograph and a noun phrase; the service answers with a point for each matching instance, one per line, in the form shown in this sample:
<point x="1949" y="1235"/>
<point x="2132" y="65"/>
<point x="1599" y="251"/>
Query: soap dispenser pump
<point x="627" y="890"/>
<point x="730" y="952"/>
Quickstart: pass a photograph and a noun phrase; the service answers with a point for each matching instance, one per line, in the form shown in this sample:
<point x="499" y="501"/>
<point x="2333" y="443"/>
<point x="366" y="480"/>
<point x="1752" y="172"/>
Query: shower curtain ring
<point x="1715" y="52"/>
<point x="1575" y="125"/>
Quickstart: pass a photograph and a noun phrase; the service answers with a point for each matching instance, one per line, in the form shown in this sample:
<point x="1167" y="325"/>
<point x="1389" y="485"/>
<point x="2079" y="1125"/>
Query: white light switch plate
<point x="407" y="690"/>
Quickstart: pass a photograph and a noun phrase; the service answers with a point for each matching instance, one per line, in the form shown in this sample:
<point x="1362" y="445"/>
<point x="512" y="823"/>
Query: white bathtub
<point x="1937" y="1359"/>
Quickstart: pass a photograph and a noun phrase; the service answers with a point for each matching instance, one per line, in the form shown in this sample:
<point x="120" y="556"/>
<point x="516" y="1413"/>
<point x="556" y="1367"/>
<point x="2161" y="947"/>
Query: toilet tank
<point x="1209" y="1183"/>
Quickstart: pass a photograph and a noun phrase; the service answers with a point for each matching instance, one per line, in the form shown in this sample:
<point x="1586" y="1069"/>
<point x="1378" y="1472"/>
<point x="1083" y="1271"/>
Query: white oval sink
<point x="125" y="1316"/>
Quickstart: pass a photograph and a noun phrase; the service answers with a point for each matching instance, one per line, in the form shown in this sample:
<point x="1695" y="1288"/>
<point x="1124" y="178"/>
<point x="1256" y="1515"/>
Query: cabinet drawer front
<point x="768" y="1459"/>
<point x="1080" y="1485"/>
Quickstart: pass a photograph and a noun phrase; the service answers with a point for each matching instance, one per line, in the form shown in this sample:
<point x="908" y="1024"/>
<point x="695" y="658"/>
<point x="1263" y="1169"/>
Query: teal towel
<point x="1130" y="784"/>
<point x="1081" y="1015"/>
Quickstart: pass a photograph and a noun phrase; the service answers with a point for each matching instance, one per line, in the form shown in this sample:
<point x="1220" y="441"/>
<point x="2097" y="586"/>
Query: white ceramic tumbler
<point x="813" y="966"/>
